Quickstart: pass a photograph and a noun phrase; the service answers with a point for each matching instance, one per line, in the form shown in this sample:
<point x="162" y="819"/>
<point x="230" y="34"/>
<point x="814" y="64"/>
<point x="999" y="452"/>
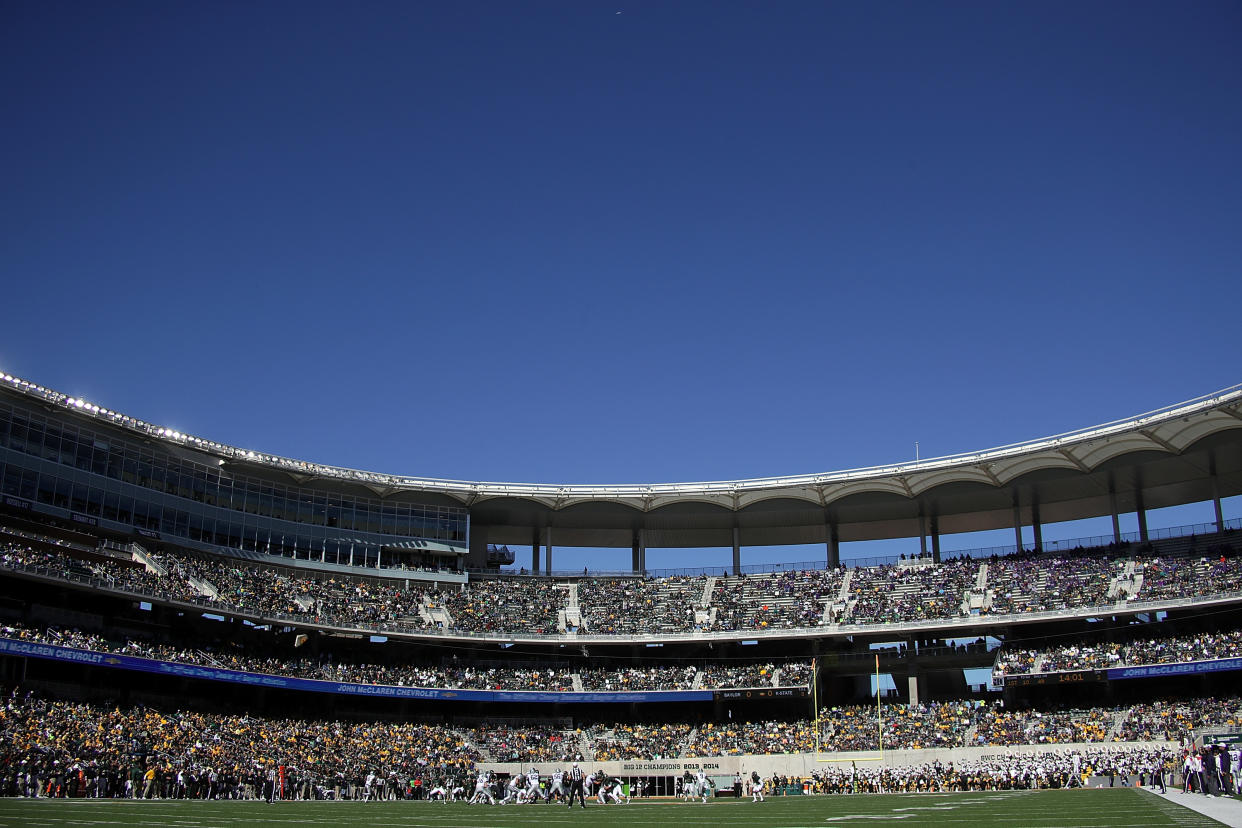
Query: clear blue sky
<point x="551" y="242"/>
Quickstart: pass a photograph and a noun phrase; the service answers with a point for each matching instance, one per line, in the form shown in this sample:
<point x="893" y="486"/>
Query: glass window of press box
<point x="60" y="463"/>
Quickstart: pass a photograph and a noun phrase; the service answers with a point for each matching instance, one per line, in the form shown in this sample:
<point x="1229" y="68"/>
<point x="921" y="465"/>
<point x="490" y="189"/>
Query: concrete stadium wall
<point x="804" y="764"/>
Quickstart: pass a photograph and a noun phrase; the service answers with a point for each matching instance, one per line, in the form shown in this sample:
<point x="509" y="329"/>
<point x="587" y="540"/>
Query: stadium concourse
<point x="179" y="618"/>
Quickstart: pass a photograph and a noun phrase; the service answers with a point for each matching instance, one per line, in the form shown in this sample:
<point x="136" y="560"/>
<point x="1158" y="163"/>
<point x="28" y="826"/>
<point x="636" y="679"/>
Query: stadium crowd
<point x="60" y="748"/>
<point x="511" y="606"/>
<point x="1096" y="655"/>
<point x="1039" y="583"/>
<point x="779" y="600"/>
<point x="625" y="740"/>
<point x="716" y="676"/>
<point x="444" y="676"/>
<point x="1017" y="771"/>
<point x="633" y="606"/>
<point x="996" y="726"/>
<point x="51" y="747"/>
<point x="897" y="727"/>
<point x="913" y="727"/>
<point x="1178" y="719"/>
<point x="525" y="743"/>
<point x="628" y="679"/>
<point x="737" y="738"/>
<point x="452" y="675"/>
<point x="1165" y="578"/>
<point x="898" y="592"/>
<point x="629" y="606"/>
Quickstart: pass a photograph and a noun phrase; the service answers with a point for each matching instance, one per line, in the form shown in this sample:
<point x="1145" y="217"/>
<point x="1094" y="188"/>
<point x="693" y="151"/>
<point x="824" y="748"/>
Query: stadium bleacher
<point x="814" y="603"/>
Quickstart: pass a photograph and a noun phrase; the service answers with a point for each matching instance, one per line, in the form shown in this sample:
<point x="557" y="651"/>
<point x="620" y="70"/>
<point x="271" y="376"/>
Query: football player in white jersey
<point x="482" y="789"/>
<point x="559" y="789"/>
<point x="533" y="790"/>
<point x="702" y="785"/>
<point x="617" y="793"/>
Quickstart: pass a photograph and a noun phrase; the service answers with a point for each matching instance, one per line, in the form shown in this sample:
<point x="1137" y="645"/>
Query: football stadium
<point x="710" y="412"/>
<point x="190" y="627"/>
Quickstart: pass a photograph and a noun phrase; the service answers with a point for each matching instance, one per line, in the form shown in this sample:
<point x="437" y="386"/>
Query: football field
<point x="1113" y="808"/>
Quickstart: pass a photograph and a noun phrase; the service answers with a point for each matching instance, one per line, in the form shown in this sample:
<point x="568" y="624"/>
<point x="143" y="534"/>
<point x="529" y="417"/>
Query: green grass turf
<point x="1114" y="808"/>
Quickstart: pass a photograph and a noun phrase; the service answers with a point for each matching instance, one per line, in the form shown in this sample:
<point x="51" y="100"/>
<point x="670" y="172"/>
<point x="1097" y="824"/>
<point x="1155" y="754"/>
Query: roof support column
<point x="834" y="546"/>
<point x="547" y="555"/>
<point x="1017" y="522"/>
<point x="1140" y="511"/>
<point x="476" y="545"/>
<point x="935" y="538"/>
<point x="916" y="680"/>
<point x="638" y="546"/>
<point x="1036" y="529"/>
<point x="1112" y="507"/>
<point x="922" y="533"/>
<point x="737" y="551"/>
<point x="1220" y="515"/>
<point x="535" y="543"/>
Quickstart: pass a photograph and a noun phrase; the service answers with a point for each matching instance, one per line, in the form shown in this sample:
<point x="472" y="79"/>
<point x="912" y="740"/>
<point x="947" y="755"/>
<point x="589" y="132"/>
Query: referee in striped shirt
<point x="576" y="779"/>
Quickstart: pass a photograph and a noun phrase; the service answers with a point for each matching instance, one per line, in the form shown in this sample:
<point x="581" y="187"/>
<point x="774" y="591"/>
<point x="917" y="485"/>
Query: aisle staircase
<point x="976" y="599"/>
<point x="1119" y="721"/>
<point x="569" y="619"/>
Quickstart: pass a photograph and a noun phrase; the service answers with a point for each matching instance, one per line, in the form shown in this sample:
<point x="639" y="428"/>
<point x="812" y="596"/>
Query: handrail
<point x="1203" y="530"/>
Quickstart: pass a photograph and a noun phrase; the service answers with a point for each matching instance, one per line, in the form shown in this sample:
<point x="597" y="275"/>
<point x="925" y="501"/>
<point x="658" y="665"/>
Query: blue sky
<point x="547" y="242"/>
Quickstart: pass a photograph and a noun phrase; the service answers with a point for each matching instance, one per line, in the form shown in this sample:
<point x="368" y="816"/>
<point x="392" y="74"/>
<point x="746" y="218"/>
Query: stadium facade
<point x="71" y="458"/>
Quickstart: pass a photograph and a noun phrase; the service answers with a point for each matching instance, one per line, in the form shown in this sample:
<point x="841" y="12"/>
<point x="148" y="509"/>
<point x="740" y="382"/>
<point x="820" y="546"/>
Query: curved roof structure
<point x="1183" y="453"/>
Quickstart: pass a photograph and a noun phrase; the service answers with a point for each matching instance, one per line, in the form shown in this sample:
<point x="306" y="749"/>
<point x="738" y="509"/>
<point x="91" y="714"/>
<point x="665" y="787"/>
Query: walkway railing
<point x="1207" y="531"/>
<point x="959" y="626"/>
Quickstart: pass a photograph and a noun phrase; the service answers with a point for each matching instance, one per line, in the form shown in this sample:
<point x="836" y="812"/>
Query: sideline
<point x="1226" y="809"/>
